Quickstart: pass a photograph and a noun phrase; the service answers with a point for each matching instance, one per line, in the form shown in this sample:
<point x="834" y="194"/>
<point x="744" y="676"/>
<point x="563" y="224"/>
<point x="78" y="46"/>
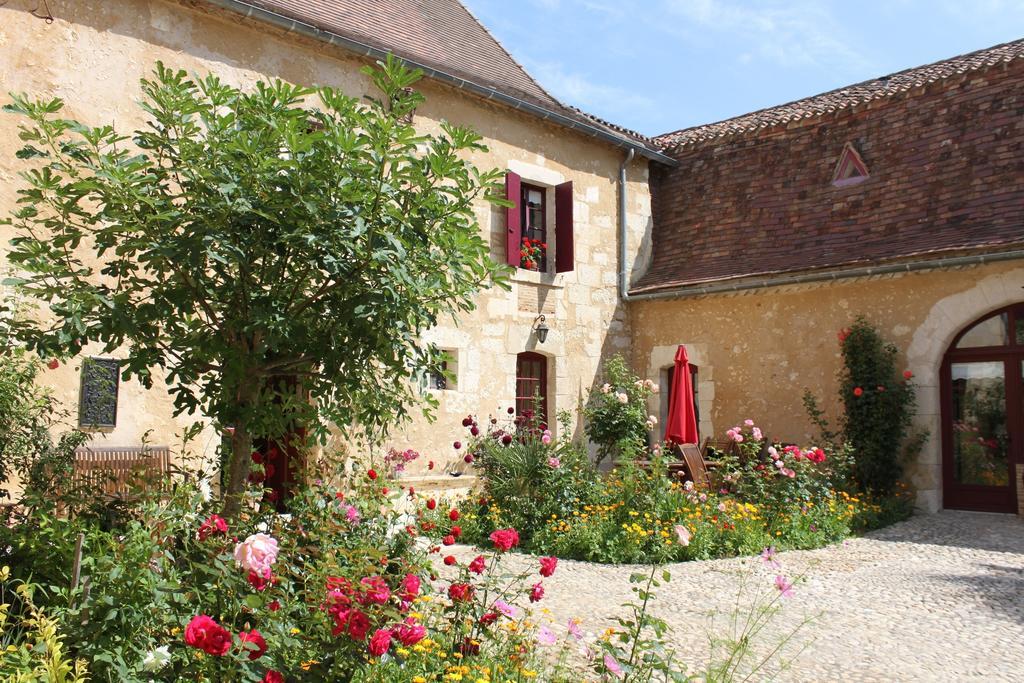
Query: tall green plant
<point x="255" y="247"/>
<point x="878" y="401"/>
<point x="615" y="417"/>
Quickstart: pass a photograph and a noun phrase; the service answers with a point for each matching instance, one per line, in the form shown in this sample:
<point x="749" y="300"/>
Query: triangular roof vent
<point x="851" y="169"/>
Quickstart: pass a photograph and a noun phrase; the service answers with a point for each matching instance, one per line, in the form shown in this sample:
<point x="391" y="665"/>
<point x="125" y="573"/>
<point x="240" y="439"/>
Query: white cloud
<point x="788" y="33"/>
<point x="577" y="89"/>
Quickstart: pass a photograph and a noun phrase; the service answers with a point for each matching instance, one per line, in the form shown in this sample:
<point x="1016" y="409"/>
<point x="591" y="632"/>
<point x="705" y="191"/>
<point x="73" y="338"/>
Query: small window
<point x="446" y="377"/>
<point x="532" y="386"/>
<point x="851" y="169"/>
<point x="97" y="402"/>
<point x="533" y="216"/>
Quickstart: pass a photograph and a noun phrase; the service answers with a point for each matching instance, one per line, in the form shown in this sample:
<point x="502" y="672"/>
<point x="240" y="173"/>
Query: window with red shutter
<point x="564" y="252"/>
<point x="514" y="232"/>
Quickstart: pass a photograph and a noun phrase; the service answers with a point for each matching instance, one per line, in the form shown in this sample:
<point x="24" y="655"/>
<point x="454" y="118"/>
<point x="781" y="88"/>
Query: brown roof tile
<point x="946" y="177"/>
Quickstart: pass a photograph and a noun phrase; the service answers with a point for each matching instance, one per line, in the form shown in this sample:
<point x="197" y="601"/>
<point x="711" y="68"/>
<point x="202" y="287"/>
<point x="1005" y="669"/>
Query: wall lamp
<point x="541" y="328"/>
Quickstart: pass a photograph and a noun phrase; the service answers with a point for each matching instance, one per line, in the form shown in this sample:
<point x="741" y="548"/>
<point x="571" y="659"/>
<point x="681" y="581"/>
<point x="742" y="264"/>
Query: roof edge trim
<point x="290" y="25"/>
<point x="828" y="275"/>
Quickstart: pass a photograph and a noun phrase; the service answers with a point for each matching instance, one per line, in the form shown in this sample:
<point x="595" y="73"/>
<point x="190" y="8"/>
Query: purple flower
<point x="546" y="636"/>
<point x="768" y="557"/>
<point x="505" y="608"/>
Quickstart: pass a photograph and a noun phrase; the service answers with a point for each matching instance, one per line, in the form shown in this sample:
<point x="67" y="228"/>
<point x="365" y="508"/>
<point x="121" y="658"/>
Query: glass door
<point x="982" y="414"/>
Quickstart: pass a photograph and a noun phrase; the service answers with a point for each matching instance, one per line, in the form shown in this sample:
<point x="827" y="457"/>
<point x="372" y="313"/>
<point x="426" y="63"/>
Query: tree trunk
<point x="241" y="452"/>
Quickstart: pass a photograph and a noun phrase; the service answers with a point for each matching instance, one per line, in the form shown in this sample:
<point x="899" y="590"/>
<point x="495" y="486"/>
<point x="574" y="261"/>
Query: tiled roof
<point x="442" y="35"/>
<point x="945" y="178"/>
<point x="842" y="98"/>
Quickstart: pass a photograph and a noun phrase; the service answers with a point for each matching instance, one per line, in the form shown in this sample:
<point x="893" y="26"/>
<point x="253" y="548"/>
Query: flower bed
<point x="765" y="495"/>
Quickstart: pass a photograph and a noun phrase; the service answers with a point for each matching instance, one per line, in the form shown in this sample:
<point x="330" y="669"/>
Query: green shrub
<point x="878" y="401"/>
<point x="615" y="417"/>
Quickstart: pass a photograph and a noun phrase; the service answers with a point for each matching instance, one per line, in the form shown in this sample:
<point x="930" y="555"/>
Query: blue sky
<point x="660" y="65"/>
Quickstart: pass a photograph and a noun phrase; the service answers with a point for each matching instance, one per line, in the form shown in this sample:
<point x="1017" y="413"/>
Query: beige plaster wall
<point x="761" y="349"/>
<point x="93" y="55"/>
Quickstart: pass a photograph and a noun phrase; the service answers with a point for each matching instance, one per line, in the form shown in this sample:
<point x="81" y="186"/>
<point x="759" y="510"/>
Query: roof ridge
<point x="882" y="85"/>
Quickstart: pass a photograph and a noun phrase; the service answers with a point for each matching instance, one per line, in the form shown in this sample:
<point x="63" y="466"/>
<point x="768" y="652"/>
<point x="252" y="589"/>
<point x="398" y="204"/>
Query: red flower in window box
<point x="531" y="253"/>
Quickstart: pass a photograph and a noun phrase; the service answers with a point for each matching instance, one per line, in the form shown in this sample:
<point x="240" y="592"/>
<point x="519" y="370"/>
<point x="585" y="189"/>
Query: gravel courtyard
<point x="937" y="598"/>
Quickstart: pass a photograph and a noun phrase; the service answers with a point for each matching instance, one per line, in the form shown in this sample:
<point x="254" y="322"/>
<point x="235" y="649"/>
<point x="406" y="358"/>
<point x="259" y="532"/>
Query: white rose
<point x="156" y="659"/>
<point x="605" y="388"/>
<point x="623" y="397"/>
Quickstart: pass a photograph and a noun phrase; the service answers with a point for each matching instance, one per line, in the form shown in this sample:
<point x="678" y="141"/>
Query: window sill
<point x="533" y="277"/>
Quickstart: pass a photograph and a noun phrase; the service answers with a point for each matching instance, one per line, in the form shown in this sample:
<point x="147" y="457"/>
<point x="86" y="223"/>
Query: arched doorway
<point x="532" y="386"/>
<point x="982" y="383"/>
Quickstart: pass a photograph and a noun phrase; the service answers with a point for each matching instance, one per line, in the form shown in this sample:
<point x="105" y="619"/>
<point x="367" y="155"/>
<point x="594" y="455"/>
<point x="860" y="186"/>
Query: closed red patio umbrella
<point x="681" y="425"/>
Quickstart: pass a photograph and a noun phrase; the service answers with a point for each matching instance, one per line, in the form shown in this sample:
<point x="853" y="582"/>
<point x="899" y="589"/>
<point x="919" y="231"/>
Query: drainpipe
<point x="831" y="275"/>
<point x="623" y="251"/>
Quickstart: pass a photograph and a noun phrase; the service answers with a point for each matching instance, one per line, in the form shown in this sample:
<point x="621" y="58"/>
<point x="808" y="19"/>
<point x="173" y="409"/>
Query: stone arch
<point x="946" y="318"/>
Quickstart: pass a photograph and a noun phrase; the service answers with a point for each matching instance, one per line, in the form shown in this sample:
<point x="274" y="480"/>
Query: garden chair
<point x="697" y="467"/>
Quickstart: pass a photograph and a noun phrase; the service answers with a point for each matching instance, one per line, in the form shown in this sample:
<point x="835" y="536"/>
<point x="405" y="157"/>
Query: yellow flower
<point x="419" y="679"/>
<point x="295" y="631"/>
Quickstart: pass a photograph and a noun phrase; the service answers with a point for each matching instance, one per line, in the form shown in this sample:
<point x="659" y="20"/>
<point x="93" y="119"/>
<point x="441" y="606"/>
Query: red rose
<point x="450" y="560"/>
<point x="376" y="590"/>
<point x="254" y="638"/>
<point x="536" y="593"/>
<point x="460" y="592"/>
<point x="448" y="540"/>
<point x="456" y="531"/>
<point x="380" y="642"/>
<point x="259" y="581"/>
<point x="410" y="587"/>
<point x="410" y="632"/>
<point x="207" y="635"/>
<point x="273" y="677"/>
<point x="453" y="515"/>
<point x="466" y="421"/>
<point x="431" y="504"/>
<point x="372" y="474"/>
<point x="547" y="565"/>
<point x="214" y="524"/>
<point x="468" y="458"/>
<point x="53" y="364"/>
<point x="274" y="606"/>
<point x="907" y="374"/>
<point x="478" y="565"/>
<point x="857" y="391"/>
<point x="358" y="625"/>
<point x="505" y="539"/>
<point x="489" y="618"/>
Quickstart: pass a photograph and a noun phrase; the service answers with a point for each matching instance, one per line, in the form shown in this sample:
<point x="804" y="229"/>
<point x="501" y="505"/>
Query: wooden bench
<point x="110" y="471"/>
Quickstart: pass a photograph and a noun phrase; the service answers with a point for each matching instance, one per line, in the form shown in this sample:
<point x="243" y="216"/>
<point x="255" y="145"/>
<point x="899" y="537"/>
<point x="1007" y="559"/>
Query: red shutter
<point x="564" y="257"/>
<point x="514" y="234"/>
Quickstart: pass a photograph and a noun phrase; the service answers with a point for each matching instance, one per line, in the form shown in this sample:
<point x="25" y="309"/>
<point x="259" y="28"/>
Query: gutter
<point x="825" y="276"/>
<point x="289" y="25"/>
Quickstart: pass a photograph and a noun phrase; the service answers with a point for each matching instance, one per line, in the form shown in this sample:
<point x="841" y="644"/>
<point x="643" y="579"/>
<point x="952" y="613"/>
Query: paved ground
<point x="937" y="598"/>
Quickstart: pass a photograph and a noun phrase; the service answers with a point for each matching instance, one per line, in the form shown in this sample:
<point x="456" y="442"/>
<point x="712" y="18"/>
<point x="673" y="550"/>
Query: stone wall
<point x="759" y="351"/>
<point x="93" y="55"/>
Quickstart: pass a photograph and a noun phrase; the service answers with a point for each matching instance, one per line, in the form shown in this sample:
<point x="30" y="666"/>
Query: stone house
<point x="900" y="198"/>
<point x="585" y="181"/>
<point x="753" y="240"/>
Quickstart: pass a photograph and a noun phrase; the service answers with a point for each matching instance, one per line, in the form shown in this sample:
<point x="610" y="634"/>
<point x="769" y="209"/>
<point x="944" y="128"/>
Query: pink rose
<point x="376" y="590"/>
<point x="554" y="463"/>
<point x="536" y="592"/>
<point x="477" y="565"/>
<point x="683" y="534"/>
<point x="273" y="677"/>
<point x="257" y="553"/>
<point x="410" y="587"/>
